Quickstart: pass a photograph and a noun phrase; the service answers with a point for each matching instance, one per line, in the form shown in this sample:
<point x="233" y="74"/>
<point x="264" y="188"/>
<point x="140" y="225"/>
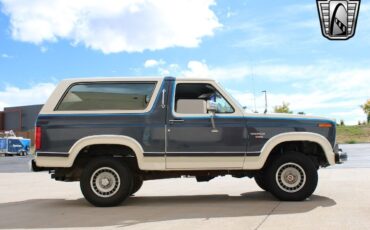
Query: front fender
<point x="258" y="162"/>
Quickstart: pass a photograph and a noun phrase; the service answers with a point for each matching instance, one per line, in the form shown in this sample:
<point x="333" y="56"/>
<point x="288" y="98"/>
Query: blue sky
<point x="248" y="46"/>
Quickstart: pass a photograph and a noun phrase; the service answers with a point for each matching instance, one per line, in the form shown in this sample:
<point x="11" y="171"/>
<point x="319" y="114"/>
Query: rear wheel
<point x="137" y="183"/>
<point x="292" y="177"/>
<point x="106" y="182"/>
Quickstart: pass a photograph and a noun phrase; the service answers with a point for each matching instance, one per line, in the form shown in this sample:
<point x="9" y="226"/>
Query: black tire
<point x="261" y="181"/>
<point x="103" y="170"/>
<point x="292" y="177"/>
<point x="137" y="183"/>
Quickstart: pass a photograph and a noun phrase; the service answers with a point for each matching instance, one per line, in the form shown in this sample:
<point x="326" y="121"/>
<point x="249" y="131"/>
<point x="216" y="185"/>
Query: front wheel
<point x="260" y="179"/>
<point x="106" y="182"/>
<point x="292" y="177"/>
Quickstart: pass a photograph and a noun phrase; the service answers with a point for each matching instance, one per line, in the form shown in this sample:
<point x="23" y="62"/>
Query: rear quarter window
<point x="107" y="96"/>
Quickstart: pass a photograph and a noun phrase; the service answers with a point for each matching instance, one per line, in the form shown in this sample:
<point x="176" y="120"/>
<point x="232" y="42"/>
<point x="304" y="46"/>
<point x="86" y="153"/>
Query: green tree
<point x="366" y="108"/>
<point x="282" y="108"/>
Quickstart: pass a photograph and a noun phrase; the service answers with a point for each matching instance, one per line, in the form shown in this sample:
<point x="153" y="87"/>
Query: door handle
<point x="176" y="120"/>
<point x="163" y="94"/>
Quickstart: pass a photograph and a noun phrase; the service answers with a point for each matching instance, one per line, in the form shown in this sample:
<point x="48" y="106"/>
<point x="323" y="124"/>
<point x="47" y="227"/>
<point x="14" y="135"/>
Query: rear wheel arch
<point x="119" y="152"/>
<point x="106" y="145"/>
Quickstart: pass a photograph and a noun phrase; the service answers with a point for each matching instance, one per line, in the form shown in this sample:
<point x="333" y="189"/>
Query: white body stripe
<point x="191" y="163"/>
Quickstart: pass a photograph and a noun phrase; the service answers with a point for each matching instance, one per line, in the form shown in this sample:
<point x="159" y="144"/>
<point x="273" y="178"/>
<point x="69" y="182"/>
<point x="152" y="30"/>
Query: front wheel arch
<point x="311" y="149"/>
<point x="258" y="162"/>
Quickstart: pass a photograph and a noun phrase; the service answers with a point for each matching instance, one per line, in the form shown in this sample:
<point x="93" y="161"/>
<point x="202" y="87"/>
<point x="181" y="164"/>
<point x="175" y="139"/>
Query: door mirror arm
<point x="211" y="109"/>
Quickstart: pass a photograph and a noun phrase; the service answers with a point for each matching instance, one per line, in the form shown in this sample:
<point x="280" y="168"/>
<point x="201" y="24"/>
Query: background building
<point x="20" y="119"/>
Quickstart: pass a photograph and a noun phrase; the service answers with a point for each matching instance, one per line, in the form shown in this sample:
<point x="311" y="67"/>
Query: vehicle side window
<point x="107" y="96"/>
<point x="191" y="98"/>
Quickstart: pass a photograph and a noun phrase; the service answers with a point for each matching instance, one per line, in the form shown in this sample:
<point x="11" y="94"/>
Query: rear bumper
<point x="36" y="168"/>
<point x="340" y="156"/>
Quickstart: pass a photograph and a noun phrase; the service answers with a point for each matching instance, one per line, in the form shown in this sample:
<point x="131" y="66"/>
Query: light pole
<point x="264" y="91"/>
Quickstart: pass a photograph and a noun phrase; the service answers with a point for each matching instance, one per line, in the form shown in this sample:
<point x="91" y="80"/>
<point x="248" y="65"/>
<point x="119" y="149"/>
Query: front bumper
<point x="340" y="156"/>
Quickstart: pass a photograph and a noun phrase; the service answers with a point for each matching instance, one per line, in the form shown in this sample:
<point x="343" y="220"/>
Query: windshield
<point x="228" y="94"/>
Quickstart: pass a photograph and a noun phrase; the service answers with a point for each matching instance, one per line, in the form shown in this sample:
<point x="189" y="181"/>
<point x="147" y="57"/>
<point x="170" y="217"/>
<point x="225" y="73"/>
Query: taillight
<point x="37" y="138"/>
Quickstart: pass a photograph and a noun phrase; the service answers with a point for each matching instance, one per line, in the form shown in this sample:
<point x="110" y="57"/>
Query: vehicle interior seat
<point x="191" y="106"/>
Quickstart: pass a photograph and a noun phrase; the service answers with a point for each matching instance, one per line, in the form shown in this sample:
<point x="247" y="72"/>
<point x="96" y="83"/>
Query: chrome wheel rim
<point x="290" y="177"/>
<point x="105" y="182"/>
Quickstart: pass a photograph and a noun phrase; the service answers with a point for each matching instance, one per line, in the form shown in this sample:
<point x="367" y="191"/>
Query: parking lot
<point x="341" y="201"/>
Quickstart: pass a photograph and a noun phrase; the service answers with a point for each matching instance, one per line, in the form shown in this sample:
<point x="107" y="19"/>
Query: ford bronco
<point x="111" y="134"/>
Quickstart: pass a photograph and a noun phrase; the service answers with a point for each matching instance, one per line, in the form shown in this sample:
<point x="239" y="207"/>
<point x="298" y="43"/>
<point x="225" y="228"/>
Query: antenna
<point x="264" y="91"/>
<point x="254" y="91"/>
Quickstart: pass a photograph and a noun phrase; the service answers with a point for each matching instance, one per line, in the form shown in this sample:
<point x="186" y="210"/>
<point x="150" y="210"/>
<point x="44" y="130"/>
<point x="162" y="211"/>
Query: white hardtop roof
<point x="133" y="78"/>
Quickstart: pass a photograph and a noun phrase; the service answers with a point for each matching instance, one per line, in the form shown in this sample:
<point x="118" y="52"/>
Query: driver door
<point x="192" y="143"/>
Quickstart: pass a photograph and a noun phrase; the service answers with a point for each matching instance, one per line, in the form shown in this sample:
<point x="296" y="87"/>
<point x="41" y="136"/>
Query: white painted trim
<point x="258" y="162"/>
<point x="209" y="152"/>
<point x="204" y="163"/>
<point x="55" y="97"/>
<point x="188" y="163"/>
<point x="145" y="163"/>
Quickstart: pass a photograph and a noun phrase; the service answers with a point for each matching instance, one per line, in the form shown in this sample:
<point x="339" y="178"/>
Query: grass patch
<point x="353" y="134"/>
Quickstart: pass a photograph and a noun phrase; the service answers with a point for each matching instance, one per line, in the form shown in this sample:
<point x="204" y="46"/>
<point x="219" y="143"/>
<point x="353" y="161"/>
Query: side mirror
<point x="212" y="109"/>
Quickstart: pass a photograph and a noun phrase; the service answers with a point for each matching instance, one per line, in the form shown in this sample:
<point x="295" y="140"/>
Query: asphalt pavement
<point x="14" y="164"/>
<point x="358" y="156"/>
